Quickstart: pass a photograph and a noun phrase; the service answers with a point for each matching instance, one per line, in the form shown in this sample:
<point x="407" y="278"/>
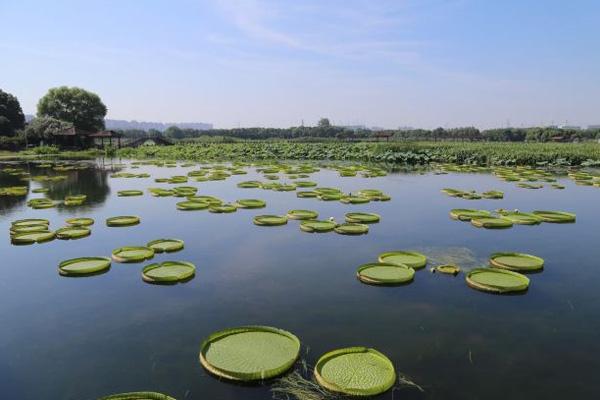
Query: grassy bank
<point x="482" y="153"/>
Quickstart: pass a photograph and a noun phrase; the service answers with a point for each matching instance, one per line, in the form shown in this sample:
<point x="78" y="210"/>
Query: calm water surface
<point x="81" y="338"/>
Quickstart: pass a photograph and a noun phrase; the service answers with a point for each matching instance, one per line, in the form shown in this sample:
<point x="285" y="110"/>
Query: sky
<point x="280" y="63"/>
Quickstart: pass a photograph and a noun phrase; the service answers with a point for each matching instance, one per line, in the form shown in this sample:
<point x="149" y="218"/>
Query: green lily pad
<point x="80" y="221"/>
<point x="517" y="262"/>
<point x="168" y="272"/>
<point x="492" y="223"/>
<point x="521" y="218"/>
<point x="270" y="220"/>
<point x="352" y="229"/>
<point x="249" y="353"/>
<point x="354" y="200"/>
<point x="123" y="220"/>
<point x="129" y="193"/>
<point x="30" y="221"/>
<point x="72" y="232"/>
<point x="84" y="266"/>
<point x="385" y="273"/>
<point x="250" y="203"/>
<point x="362" y="217"/>
<point x="129" y="254"/>
<point x="466" y="214"/>
<point x="307" y="194"/>
<point x="165" y="245"/>
<point x="412" y="259"/>
<point x="138" y="396"/>
<point x="249" y="185"/>
<point x="192" y="205"/>
<point x="496" y="280"/>
<point x="356" y="371"/>
<point x="32" y="237"/>
<point x="555" y="216"/>
<point x="448" y="269"/>
<point x="223" y="208"/>
<point x="313" y="226"/>
<point x="302" y="214"/>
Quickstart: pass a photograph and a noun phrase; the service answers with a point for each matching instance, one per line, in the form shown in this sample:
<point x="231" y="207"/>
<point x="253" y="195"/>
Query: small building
<point x="100" y="137"/>
<point x="71" y="138"/>
<point x="382" y="135"/>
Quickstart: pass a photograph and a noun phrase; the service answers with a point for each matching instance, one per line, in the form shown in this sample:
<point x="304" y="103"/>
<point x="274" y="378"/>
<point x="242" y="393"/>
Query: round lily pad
<point x="317" y="226"/>
<point x="410" y="258"/>
<point x="84" y="266"/>
<point x="385" y="273"/>
<point x="520" y="218"/>
<point x="29" y="228"/>
<point x="362" y="217"/>
<point x="222" y="208"/>
<point x="30" y="221"/>
<point x="491" y="223"/>
<point x="191" y="205"/>
<point x="72" y="232"/>
<point x="250" y="203"/>
<point x="138" y="396"/>
<point x="555" y="216"/>
<point x="80" y="221"/>
<point x="249" y="184"/>
<point x="352" y="229"/>
<point x="123" y="220"/>
<point x="302" y="214"/>
<point x="165" y="245"/>
<point x="466" y="214"/>
<point x="496" y="280"/>
<point x="307" y="194"/>
<point x="354" y="199"/>
<point x="168" y="272"/>
<point x="132" y="254"/>
<point x="32" y="237"/>
<point x="128" y="193"/>
<point x="357" y="371"/>
<point x="249" y="353"/>
<point x="270" y="220"/>
<point x="448" y="269"/>
<point x="517" y="262"/>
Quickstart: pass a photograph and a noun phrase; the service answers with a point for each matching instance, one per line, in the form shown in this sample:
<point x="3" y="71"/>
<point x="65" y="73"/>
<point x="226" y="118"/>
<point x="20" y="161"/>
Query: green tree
<point x="83" y="109"/>
<point x="42" y="128"/>
<point x="174" y="132"/>
<point x="324" y="123"/>
<point x="11" y="115"/>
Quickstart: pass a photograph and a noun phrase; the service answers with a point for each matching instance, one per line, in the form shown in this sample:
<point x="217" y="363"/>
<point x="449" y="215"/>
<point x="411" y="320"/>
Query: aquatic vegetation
<point x="493" y="194"/>
<point x="362" y="217"/>
<point x="492" y="223"/>
<point x="129" y="254"/>
<point x="249" y="353"/>
<point x="32" y="237"/>
<point x="352" y="229"/>
<point x="223" y="208"/>
<point x="191" y="205"/>
<point x="40" y="190"/>
<point x="313" y="226"/>
<point x="165" y="245"/>
<point x="555" y="216"/>
<point x="385" y="273"/>
<point x="529" y="185"/>
<point x="270" y="220"/>
<point x="211" y="200"/>
<point x="123" y="220"/>
<point x="41" y="203"/>
<point x="249" y="184"/>
<point x="168" y="272"/>
<point x="448" y="269"/>
<point x="302" y="214"/>
<point x="412" y="259"/>
<point x="250" y="203"/>
<point x="80" y="221"/>
<point x="497" y="280"/>
<point x="84" y="266"/>
<point x="517" y="262"/>
<point x="128" y="193"/>
<point x="30" y="222"/>
<point x="354" y="199"/>
<point x="305" y="184"/>
<point x="138" y="396"/>
<point x="14" y="191"/>
<point x="521" y="218"/>
<point x="307" y="194"/>
<point x="356" y="371"/>
<point x="467" y="214"/>
<point x="72" y="232"/>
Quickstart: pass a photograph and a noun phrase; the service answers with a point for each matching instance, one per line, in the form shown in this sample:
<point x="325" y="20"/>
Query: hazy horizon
<point x="249" y="63"/>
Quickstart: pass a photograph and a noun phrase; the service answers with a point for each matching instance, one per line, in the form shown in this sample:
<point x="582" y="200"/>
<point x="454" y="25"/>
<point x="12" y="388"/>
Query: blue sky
<point x="423" y="63"/>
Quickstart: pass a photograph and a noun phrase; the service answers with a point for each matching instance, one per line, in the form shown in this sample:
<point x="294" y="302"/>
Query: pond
<point x="83" y="338"/>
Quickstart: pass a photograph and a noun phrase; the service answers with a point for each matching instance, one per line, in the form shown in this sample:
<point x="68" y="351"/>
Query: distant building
<point x="573" y="127"/>
<point x="593" y="127"/>
<point x="405" y="128"/>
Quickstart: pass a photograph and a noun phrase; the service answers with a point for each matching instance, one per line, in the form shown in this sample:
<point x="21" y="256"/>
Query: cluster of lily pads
<point x="37" y="230"/>
<point x="585" y="178"/>
<point x="472" y="194"/>
<point x="501" y="218"/>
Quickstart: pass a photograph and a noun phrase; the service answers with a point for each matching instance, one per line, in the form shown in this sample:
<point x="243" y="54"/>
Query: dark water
<point x="81" y="338"/>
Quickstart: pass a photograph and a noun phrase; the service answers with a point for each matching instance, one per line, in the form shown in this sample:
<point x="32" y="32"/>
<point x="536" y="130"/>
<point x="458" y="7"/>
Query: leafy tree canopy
<point x="83" y="109"/>
<point x="11" y="115"/>
<point x="42" y="128"/>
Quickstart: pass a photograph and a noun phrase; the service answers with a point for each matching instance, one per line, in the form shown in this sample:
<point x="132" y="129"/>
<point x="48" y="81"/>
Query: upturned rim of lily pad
<point x="137" y="396"/>
<point x="408" y="274"/>
<point x="103" y="264"/>
<point x="80" y="221"/>
<point x="416" y="260"/>
<point x="181" y="276"/>
<point x="72" y="232"/>
<point x="534" y="263"/>
<point x="270" y="220"/>
<point x="300" y="214"/>
<point x="316" y="226"/>
<point x="352" y="228"/>
<point x="165" y="245"/>
<point x="473" y="279"/>
<point x="362" y="217"/>
<point x="144" y="253"/>
<point x="123" y="220"/>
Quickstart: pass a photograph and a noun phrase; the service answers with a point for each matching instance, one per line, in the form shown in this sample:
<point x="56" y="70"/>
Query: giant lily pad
<point x="555" y="216"/>
<point x="250" y="203"/>
<point x="30" y="221"/>
<point x="191" y="205"/>
<point x="317" y="226"/>
<point x="132" y="254"/>
<point x="352" y="229"/>
<point x="168" y="272"/>
<point x="302" y="214"/>
<point x="165" y="245"/>
<point x="123" y="220"/>
<point x="521" y="218"/>
<point x="466" y="214"/>
<point x="385" y="273"/>
<point x="72" y="232"/>
<point x="270" y="220"/>
<point x="410" y="258"/>
<point x="81" y="221"/>
<point x="491" y="223"/>
<point x="496" y="280"/>
<point x="128" y="193"/>
<point x="517" y="262"/>
<point x="32" y="237"/>
<point x="249" y="353"/>
<point x="84" y="266"/>
<point x="362" y="217"/>
<point x="357" y="371"/>
<point x="138" y="396"/>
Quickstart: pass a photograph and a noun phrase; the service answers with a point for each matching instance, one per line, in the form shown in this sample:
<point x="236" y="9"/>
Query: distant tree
<point x="324" y="123"/>
<point x="11" y="115"/>
<point x="83" y="109"/>
<point x="42" y="128"/>
<point x="174" y="132"/>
